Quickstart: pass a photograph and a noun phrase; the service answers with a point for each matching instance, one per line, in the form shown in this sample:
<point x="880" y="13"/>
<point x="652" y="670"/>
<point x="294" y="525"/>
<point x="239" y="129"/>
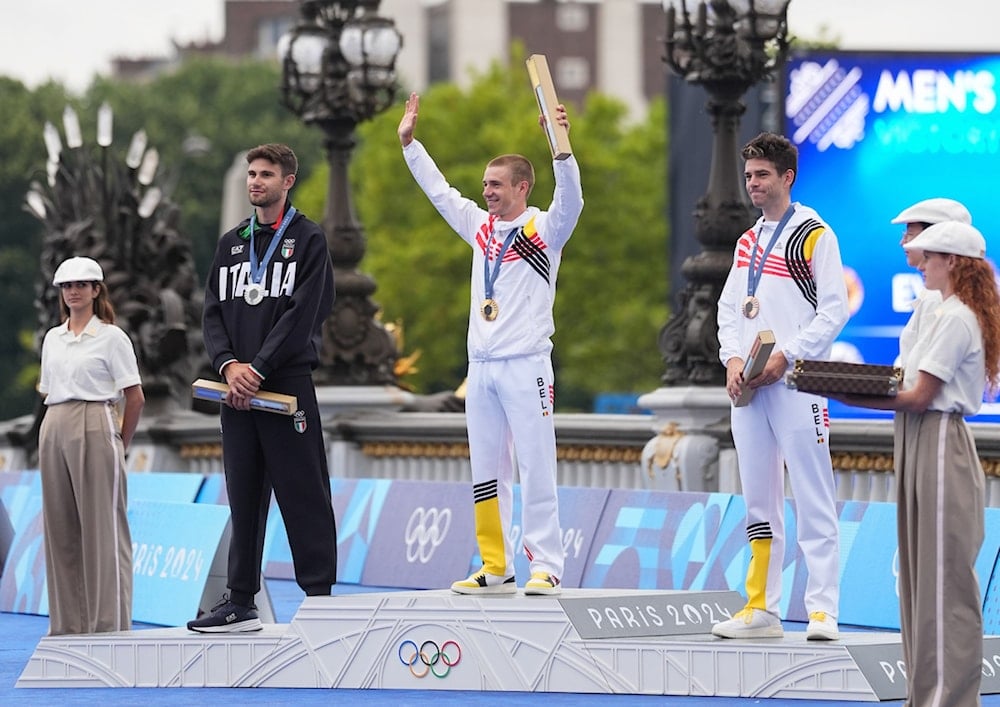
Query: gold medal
<point x="489" y="309"/>
<point x="751" y="307"/>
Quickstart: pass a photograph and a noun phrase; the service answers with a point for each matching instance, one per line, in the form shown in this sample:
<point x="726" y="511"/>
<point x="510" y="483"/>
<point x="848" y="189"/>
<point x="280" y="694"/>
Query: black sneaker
<point x="227" y="617"/>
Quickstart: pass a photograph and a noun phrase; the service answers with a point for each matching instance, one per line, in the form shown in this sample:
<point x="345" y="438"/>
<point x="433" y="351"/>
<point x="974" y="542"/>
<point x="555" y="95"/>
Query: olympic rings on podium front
<point x="430" y="660"/>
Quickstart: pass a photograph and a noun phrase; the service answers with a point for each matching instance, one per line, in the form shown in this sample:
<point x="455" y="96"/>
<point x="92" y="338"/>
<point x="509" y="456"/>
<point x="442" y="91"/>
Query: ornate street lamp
<point x="726" y="47"/>
<point x="338" y="69"/>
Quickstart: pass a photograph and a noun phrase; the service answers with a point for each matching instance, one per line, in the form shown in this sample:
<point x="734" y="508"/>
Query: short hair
<point x="519" y="166"/>
<point x="776" y="149"/>
<point x="276" y="153"/>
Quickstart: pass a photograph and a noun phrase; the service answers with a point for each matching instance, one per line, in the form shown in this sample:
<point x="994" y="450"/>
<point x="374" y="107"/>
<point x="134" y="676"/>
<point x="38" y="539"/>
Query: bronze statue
<point x="114" y="210"/>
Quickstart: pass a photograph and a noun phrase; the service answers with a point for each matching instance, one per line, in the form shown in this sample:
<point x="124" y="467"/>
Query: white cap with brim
<point x="78" y="270"/>
<point x="952" y="237"/>
<point x="934" y="211"/>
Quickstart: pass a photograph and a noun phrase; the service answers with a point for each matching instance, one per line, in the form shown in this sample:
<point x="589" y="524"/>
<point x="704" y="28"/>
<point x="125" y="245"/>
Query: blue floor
<point x="19" y="634"/>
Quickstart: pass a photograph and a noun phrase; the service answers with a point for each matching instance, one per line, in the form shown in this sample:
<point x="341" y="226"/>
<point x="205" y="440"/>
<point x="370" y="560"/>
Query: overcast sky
<point x="71" y="40"/>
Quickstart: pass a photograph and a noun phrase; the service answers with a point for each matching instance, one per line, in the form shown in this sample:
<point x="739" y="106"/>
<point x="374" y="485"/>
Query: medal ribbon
<point x="257" y="269"/>
<point x="490" y="278"/>
<point x="754" y="274"/>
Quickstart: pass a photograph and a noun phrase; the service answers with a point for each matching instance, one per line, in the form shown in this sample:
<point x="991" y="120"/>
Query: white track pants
<point x="509" y="409"/>
<point x="784" y="427"/>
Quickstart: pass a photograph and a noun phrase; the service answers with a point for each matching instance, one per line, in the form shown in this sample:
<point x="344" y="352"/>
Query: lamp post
<point x="338" y="70"/>
<point x="727" y="47"/>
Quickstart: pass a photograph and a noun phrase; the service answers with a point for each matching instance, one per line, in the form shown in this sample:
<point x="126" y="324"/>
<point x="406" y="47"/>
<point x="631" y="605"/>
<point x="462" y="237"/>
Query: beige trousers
<point x="940" y="525"/>
<point x="88" y="547"/>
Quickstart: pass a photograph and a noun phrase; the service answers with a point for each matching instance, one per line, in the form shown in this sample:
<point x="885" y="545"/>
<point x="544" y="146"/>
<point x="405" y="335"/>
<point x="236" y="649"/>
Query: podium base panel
<point x="438" y="640"/>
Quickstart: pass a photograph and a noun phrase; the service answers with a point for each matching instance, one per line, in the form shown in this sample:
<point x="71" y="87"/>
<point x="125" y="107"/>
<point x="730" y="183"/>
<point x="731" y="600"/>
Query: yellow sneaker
<point x="482" y="583"/>
<point x="542" y="583"/>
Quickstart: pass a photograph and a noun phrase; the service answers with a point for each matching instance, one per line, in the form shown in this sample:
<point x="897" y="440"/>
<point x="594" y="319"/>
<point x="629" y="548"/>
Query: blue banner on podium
<point x="658" y="540"/>
<point x="6" y="535"/>
<point x="22" y="585"/>
<point x="277" y="553"/>
<point x="164" y="486"/>
<point x="20" y="493"/>
<point x="173" y="546"/>
<point x="729" y="559"/>
<point x="869" y="593"/>
<point x="213" y="490"/>
<point x="580" y="511"/>
<point x="991" y="586"/>
<point x="424" y="536"/>
<point x="357" y="506"/>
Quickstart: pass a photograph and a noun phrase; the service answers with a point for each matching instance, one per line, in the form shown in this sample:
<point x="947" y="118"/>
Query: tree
<point x="612" y="288"/>
<point x="612" y="284"/>
<point x="199" y="118"/>
<point x="22" y="114"/>
<point x="202" y="116"/>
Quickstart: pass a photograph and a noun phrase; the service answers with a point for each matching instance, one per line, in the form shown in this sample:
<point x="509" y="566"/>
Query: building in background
<point x="611" y="46"/>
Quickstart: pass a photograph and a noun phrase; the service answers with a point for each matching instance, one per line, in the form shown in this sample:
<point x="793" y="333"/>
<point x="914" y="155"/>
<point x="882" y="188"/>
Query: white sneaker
<point x="750" y="623"/>
<point x="822" y="627"/>
<point x="482" y="583"/>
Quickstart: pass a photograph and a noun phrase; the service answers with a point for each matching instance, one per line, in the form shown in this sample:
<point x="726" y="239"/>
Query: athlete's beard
<point x="264" y="201"/>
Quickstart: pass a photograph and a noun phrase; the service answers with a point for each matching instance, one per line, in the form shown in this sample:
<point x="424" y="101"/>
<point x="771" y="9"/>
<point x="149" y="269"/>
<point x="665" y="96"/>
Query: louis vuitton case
<point x="828" y="377"/>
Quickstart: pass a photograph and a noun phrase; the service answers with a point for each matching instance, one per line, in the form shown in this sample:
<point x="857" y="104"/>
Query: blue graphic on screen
<point x="877" y="133"/>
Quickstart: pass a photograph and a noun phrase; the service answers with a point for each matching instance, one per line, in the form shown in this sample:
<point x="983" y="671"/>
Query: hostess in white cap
<point x="78" y="270"/>
<point x="934" y="211"/>
<point x="952" y="237"/>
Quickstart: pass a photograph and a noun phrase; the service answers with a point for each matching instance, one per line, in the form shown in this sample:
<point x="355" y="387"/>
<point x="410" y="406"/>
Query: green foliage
<point x="612" y="290"/>
<point x="234" y="105"/>
<point x="17" y="321"/>
<point x="22" y="115"/>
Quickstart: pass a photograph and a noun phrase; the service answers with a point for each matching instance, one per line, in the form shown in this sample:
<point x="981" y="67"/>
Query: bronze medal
<point x="489" y="309"/>
<point x="751" y="307"/>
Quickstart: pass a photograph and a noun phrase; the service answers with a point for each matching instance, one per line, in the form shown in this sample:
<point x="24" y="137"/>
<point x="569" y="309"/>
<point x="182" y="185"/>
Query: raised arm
<point x="408" y="123"/>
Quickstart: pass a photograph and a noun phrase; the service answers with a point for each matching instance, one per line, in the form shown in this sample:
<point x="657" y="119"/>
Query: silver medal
<point x="254" y="293"/>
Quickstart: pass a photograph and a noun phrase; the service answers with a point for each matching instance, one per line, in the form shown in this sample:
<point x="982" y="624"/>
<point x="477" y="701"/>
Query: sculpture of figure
<point x="97" y="205"/>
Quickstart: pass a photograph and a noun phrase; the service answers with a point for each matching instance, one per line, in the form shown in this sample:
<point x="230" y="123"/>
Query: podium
<point x="500" y="642"/>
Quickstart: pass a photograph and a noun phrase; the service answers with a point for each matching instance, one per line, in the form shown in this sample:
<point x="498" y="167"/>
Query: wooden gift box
<point x="829" y="377"/>
<point x="204" y="389"/>
<point x="545" y="95"/>
<point x="753" y="365"/>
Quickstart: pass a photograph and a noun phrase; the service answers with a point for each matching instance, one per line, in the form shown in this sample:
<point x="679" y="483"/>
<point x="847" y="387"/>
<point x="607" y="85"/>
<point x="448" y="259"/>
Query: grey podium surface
<point x="501" y="643"/>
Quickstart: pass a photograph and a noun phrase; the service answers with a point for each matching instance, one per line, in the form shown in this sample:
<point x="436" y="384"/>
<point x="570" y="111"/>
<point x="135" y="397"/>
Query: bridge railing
<point x="596" y="450"/>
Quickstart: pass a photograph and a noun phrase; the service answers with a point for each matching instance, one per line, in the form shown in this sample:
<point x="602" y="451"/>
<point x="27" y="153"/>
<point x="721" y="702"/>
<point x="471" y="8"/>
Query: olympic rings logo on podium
<point x="429" y="660"/>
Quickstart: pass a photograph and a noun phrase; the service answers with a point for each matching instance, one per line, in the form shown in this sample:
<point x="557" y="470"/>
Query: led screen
<point x="876" y="133"/>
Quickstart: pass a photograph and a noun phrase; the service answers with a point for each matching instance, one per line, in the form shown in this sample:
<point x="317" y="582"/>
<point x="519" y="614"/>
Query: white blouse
<point x="949" y="346"/>
<point x="95" y="365"/>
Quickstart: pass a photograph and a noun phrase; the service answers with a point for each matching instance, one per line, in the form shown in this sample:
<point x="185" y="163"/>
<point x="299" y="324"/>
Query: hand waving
<point x="408" y="123"/>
